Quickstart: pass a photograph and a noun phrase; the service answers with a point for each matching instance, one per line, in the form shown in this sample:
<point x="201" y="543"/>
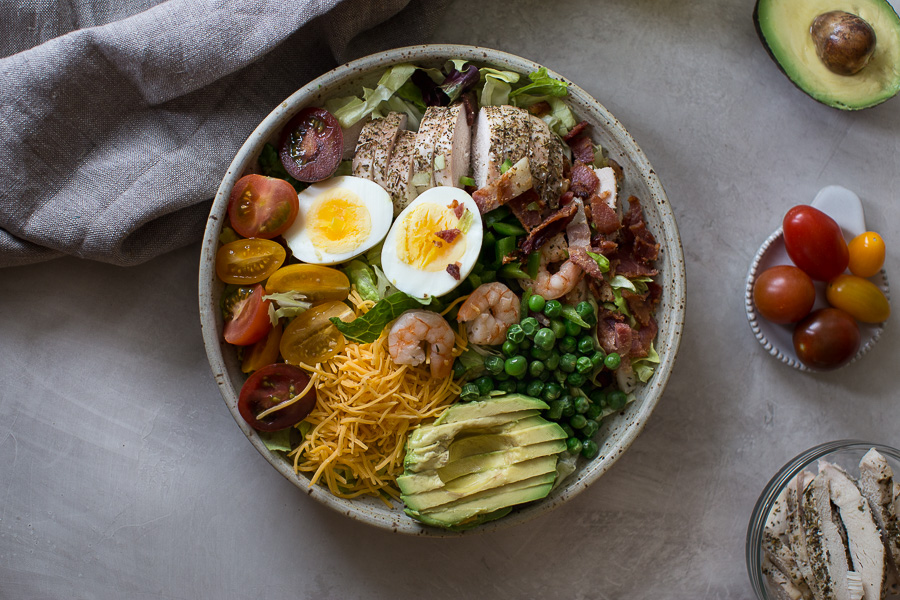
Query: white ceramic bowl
<point x="617" y="432"/>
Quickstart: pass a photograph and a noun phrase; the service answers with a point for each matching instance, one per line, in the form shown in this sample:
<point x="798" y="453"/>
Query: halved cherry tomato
<point x="784" y="294"/>
<point x="262" y="353"/>
<point x="248" y="261"/>
<point x="270" y="386"/>
<point x="815" y="243"/>
<point x="251" y="320"/>
<point x="317" y="283"/>
<point x="859" y="297"/>
<point x="826" y="339"/>
<point x="311" y="145"/>
<point x="262" y="207"/>
<point x="866" y="254"/>
<point x="311" y="338"/>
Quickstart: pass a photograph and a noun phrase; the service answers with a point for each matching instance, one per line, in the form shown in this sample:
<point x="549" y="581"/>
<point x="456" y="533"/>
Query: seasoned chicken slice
<point x="373" y="150"/>
<point x="824" y="545"/>
<point x="452" y="148"/>
<point x="545" y="156"/>
<point x="502" y="133"/>
<point x="399" y="172"/>
<point x="876" y="484"/>
<point x="781" y="585"/>
<point x="797" y="532"/>
<point x="863" y="539"/>
<point x="433" y="123"/>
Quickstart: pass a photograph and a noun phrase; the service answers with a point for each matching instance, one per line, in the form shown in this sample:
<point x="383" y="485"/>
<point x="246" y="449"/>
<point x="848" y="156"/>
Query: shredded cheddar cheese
<point x="365" y="407"/>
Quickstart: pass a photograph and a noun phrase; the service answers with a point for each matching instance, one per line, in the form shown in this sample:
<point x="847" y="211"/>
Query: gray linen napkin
<point x="119" y="118"/>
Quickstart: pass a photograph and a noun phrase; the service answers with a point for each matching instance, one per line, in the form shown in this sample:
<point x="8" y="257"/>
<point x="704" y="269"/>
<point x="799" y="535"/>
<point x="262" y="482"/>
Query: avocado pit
<point x="844" y="42"/>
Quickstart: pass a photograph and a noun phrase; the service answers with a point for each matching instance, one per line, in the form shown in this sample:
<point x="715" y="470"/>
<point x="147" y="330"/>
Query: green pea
<point x="551" y="391"/>
<point x="493" y="364"/>
<point x="510" y="348"/>
<point x="525" y="344"/>
<point x="544" y="376"/>
<point x="535" y="388"/>
<point x="586" y="345"/>
<point x="573" y="445"/>
<point x="508" y="386"/>
<point x="576" y="379"/>
<point x="515" y="333"/>
<point x="590" y="428"/>
<point x="553" y="308"/>
<point x="522" y="387"/>
<point x="567" y="396"/>
<point x="552" y="361"/>
<point x="598" y="397"/>
<point x="617" y="399"/>
<point x="578" y="421"/>
<point x="559" y="376"/>
<point x="568" y="429"/>
<point x="568" y="407"/>
<point x="530" y="325"/>
<point x="536" y="303"/>
<point x="572" y="328"/>
<point x="597" y="358"/>
<point x="554" y="413"/>
<point x="516" y="365"/>
<point x="545" y="338"/>
<point x="485" y="385"/>
<point x="539" y="353"/>
<point x="593" y="412"/>
<point x="501" y="376"/>
<point x="567" y="362"/>
<point x="468" y="392"/>
<point x="535" y="368"/>
<point x="583" y="365"/>
<point x="612" y="361"/>
<point x="582" y="405"/>
<point x="589" y="448"/>
<point x="459" y="369"/>
<point x="584" y="309"/>
<point x="558" y="327"/>
<point x="568" y="344"/>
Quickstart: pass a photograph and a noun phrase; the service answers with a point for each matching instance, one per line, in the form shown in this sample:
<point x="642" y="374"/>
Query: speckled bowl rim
<point x="635" y="416"/>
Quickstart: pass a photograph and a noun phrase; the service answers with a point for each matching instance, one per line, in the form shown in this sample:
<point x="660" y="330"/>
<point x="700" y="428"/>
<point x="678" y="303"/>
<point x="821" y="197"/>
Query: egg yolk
<point x="417" y="242"/>
<point x="338" y="221"/>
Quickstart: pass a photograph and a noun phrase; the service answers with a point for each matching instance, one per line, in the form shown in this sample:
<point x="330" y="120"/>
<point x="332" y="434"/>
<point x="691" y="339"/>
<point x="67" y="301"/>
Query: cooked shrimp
<point x="412" y="331"/>
<point x="549" y="284"/>
<point x="488" y="312"/>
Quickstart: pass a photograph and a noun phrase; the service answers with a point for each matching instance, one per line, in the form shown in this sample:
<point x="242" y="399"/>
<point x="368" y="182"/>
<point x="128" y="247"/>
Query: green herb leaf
<point x="506" y="166"/>
<point x="368" y="327"/>
<point x="601" y="261"/>
<point x="570" y="314"/>
<point x="466" y="181"/>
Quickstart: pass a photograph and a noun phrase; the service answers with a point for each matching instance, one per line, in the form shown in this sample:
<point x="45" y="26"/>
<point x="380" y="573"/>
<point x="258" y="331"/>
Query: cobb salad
<point x="438" y="292"/>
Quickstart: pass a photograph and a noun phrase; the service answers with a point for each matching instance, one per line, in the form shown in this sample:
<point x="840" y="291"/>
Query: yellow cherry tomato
<point x="248" y="261"/>
<point x="866" y="254"/>
<point x="317" y="283"/>
<point x="311" y="338"/>
<point x="859" y="297"/>
<point x="262" y="353"/>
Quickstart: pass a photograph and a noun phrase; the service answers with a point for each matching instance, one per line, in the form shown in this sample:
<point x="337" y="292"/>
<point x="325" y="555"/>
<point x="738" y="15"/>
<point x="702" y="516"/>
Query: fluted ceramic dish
<point x="845" y="208"/>
<point x="844" y="453"/>
<point x="617" y="432"/>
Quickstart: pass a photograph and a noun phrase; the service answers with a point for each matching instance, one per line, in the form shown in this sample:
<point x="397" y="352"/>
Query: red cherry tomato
<point x="828" y="338"/>
<point x="815" y="243"/>
<point x="251" y="321"/>
<point x="311" y="145"/>
<point x="270" y="386"/>
<point x="262" y="207"/>
<point x="784" y="294"/>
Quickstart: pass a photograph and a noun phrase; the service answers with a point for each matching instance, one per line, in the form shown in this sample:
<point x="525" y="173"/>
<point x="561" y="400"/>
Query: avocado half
<point x="784" y="29"/>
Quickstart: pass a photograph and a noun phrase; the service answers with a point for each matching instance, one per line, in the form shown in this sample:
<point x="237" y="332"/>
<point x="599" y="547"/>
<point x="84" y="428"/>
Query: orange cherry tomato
<point x="311" y="338"/>
<point x="866" y="254"/>
<point x="262" y="353"/>
<point x="859" y="297"/>
<point x="262" y="207"/>
<point x="317" y="283"/>
<point x="248" y="261"/>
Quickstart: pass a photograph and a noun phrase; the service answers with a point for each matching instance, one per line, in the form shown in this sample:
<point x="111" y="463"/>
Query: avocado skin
<point x="814" y="93"/>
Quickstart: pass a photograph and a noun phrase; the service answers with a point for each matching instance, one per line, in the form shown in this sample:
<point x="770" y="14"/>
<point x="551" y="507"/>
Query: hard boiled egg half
<point x="339" y="218"/>
<point x="427" y="237"/>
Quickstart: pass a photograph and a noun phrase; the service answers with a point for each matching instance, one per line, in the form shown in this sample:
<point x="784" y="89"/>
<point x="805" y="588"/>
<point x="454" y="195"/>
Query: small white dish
<point x="845" y="208"/>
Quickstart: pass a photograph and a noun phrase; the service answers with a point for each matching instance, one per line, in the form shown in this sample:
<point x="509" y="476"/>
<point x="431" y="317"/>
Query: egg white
<point x="421" y="283"/>
<point x="373" y="197"/>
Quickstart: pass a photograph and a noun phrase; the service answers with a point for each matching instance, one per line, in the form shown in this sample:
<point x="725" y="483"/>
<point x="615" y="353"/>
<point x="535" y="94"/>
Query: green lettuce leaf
<point x="643" y="367"/>
<point x="290" y="305"/>
<point x="368" y="327"/>
<point x="350" y="110"/>
<point x="496" y="86"/>
<point x="542" y="85"/>
<point x="363" y="277"/>
<point x="276" y="441"/>
<point x="601" y="261"/>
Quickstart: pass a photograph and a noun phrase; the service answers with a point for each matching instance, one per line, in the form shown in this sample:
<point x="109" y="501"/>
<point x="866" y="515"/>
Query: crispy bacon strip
<point x="580" y="257"/>
<point x="584" y="181"/>
<point x="453" y="270"/>
<point x="509" y="185"/>
<point x="528" y="208"/>
<point x="582" y="149"/>
<point x="552" y="225"/>
<point x="603" y="217"/>
<point x="575" y="131"/>
<point x="539" y="109"/>
<point x="642" y="338"/>
<point x="646" y="249"/>
<point x="448" y="235"/>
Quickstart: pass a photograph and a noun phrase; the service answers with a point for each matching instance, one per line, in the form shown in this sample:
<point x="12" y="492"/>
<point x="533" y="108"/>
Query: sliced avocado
<point x="817" y="58"/>
<point x="490" y="407"/>
<point x="426" y="436"/>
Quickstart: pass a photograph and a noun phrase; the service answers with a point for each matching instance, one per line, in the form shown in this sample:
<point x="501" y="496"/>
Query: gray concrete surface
<point x="122" y="474"/>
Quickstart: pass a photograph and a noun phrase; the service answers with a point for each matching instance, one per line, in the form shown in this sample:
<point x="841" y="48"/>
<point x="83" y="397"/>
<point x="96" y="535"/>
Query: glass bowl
<point x="843" y="453"/>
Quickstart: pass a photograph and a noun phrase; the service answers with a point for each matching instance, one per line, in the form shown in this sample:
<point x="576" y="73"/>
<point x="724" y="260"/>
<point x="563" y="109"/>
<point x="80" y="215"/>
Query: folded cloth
<point x="119" y="118"/>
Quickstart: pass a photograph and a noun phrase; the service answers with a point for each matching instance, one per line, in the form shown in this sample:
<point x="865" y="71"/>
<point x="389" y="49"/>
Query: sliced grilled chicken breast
<point x="797" y="532"/>
<point x="399" y="172"/>
<point x="876" y="484"/>
<point x="608" y="190"/>
<point x="452" y="148"/>
<point x="781" y="584"/>
<point x="373" y="149"/>
<point x="433" y="123"/>
<point x="863" y="538"/>
<point x="826" y="550"/>
<point x="777" y="549"/>
<point x="501" y="133"/>
<point x="546" y="157"/>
